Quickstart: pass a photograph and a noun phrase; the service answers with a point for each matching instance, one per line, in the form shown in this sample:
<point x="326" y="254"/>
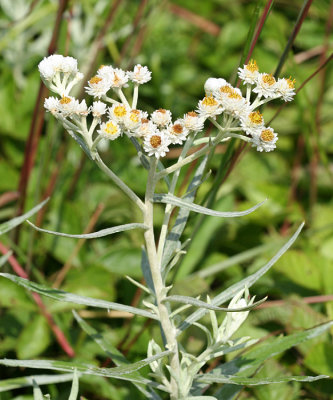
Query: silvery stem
<point x="167" y="326"/>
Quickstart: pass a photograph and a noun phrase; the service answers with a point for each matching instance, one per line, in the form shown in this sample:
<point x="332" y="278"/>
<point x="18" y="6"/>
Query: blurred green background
<point x="183" y="43"/>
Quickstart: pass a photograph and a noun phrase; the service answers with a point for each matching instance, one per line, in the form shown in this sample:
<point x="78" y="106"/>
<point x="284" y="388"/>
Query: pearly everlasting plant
<point x="111" y="115"/>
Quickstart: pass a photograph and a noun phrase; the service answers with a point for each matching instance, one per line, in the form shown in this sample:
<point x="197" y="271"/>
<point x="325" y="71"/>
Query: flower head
<point x="193" y="121"/>
<point x="252" y="122"/>
<point x="285" y="88"/>
<point x="132" y="120"/>
<point x="156" y="144"/>
<point x="51" y="104"/>
<point x="234" y="103"/>
<point x="209" y="107"/>
<point x="110" y="130"/>
<point x="213" y="84"/>
<point x="56" y="63"/>
<point x="161" y="117"/>
<point x="98" y="109"/>
<point x="118" y="112"/>
<point x="68" y="106"/>
<point x="146" y="128"/>
<point x="177" y="132"/>
<point x="98" y="86"/>
<point x="118" y="78"/>
<point x="266" y="85"/>
<point x="139" y="74"/>
<point x="265" y="140"/>
<point x="249" y="73"/>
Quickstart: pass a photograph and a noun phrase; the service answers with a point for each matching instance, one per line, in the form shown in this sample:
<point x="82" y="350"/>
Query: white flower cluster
<point x="221" y="97"/>
<point x="113" y="117"/>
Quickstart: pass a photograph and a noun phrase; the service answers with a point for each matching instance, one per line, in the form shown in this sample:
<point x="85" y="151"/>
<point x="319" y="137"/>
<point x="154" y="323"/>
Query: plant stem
<point x="169" y="207"/>
<point x="167" y="326"/>
<point x="128" y="191"/>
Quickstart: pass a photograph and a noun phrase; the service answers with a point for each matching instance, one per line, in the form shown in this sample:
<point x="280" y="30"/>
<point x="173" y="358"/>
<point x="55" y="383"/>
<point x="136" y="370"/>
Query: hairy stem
<point x="167" y="326"/>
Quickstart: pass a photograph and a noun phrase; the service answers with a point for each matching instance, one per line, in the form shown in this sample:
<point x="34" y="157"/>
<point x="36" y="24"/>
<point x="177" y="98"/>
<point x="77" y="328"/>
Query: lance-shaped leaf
<point x="123" y="372"/>
<point x="7" y="226"/>
<point x="38" y="395"/>
<point x="112" y="352"/>
<point x="75" y="387"/>
<point x="237" y="380"/>
<point x="208" y="306"/>
<point x="172" y="241"/>
<point x="17" y="383"/>
<point x="259" y="354"/>
<point x="234" y="289"/>
<point x="176" y="201"/>
<point x="77" y="299"/>
<point x="101" y="233"/>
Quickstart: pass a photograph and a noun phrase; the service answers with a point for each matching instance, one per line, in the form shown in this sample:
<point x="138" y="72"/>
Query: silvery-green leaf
<point x="246" y="282"/>
<point x="237" y="380"/>
<point x="38" y="395"/>
<point x="101" y="233"/>
<point x="77" y="299"/>
<point x="112" y="352"/>
<point x="75" y="387"/>
<point x="228" y="392"/>
<point x="249" y="361"/>
<point x="201" y="304"/>
<point x="124" y="372"/>
<point x="172" y="240"/>
<point x="142" y="157"/>
<point x="7" y="226"/>
<point x="17" y="383"/>
<point x="176" y="201"/>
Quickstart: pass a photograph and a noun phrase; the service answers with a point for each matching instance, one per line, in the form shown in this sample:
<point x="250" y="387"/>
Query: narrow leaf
<point x="7" y="226"/>
<point x="17" y="383"/>
<point x="146" y="270"/>
<point x="38" y="395"/>
<point x="122" y="372"/>
<point x="101" y="233"/>
<point x="112" y="352"/>
<point x="75" y="387"/>
<point x="176" y="201"/>
<point x="246" y="282"/>
<point x="172" y="241"/>
<point x="257" y="381"/>
<point x="195" y="302"/>
<point x="77" y="299"/>
<point x="256" y="356"/>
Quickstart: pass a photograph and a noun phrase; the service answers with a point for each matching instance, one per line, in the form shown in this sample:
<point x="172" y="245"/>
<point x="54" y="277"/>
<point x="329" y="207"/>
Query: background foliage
<point x="183" y="42"/>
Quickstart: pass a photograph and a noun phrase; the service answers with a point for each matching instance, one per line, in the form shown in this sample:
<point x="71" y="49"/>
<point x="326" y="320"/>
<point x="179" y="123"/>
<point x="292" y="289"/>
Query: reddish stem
<point x="60" y="337"/>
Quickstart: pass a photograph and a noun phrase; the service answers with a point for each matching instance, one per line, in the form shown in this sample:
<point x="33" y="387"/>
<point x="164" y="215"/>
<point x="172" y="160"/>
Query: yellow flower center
<point x="65" y="100"/>
<point x="134" y="118"/>
<point x="291" y="82"/>
<point x="268" y="79"/>
<point x="234" y="95"/>
<point x="226" y="89"/>
<point x="177" y="129"/>
<point x="209" y="101"/>
<point x="111" y="128"/>
<point x="120" y="111"/>
<point x="162" y="110"/>
<point x="155" y="141"/>
<point x="255" y="117"/>
<point x="144" y="121"/>
<point x="94" y="80"/>
<point x="252" y="66"/>
<point x="267" y="135"/>
<point x="192" y="114"/>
